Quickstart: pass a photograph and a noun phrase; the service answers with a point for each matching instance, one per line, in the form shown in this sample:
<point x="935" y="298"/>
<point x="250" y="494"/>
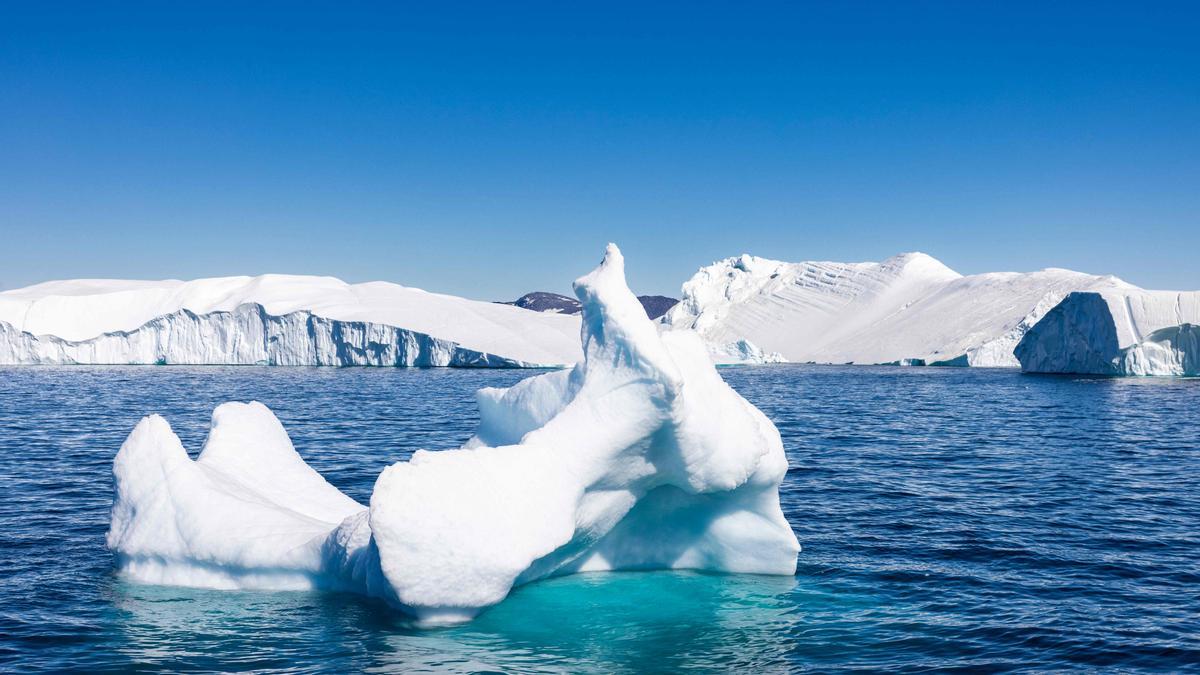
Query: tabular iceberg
<point x="639" y="457"/>
<point x="1117" y="332"/>
<point x="908" y="308"/>
<point x="273" y="319"/>
<point x="249" y="335"/>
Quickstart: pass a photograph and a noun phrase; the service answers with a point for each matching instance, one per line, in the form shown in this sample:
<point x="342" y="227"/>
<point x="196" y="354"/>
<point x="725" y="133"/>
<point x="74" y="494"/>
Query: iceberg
<point x="1117" y="332"/>
<point x="639" y="457"/>
<point x="274" y="320"/>
<point x="910" y="307"/>
<point x="740" y="353"/>
<point x="249" y="335"/>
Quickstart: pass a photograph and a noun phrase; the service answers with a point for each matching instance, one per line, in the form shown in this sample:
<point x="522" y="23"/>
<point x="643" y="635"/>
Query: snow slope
<point x="234" y="320"/>
<point x="1127" y="331"/>
<point x="907" y="307"/>
<point x="640" y="457"/>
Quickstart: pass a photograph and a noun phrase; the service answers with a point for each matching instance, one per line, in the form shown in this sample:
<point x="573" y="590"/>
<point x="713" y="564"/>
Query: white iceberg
<point x="640" y="457"/>
<point x="741" y="353"/>
<point x="273" y="319"/>
<point x="909" y="307"/>
<point x="1117" y="332"/>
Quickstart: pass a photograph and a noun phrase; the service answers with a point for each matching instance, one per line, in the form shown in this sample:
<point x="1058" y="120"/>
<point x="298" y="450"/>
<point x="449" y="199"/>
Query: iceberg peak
<point x="915" y="262"/>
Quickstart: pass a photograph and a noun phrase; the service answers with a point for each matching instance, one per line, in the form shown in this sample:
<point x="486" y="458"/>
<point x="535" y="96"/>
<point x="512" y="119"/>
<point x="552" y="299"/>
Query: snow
<point x="639" y="457"/>
<point x="1126" y="331"/>
<point x="908" y="307"/>
<point x="231" y="319"/>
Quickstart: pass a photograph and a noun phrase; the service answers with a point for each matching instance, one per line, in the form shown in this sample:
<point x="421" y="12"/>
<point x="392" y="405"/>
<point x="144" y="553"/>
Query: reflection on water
<point x="597" y="621"/>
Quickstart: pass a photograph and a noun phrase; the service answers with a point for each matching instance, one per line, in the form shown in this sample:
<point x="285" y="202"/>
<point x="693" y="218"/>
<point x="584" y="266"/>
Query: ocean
<point x="950" y="519"/>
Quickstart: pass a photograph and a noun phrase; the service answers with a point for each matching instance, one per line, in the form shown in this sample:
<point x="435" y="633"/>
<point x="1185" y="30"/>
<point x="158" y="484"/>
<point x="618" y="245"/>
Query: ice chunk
<point x="1174" y="350"/>
<point x="1116" y="332"/>
<point x="247" y="512"/>
<point x="640" y="457"/>
<point x="741" y="352"/>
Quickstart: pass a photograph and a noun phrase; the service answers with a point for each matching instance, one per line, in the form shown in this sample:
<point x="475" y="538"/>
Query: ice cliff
<point x="1117" y="332"/>
<point x="272" y="319"/>
<point x="640" y="457"/>
<point x="908" y="308"/>
<point x="249" y="335"/>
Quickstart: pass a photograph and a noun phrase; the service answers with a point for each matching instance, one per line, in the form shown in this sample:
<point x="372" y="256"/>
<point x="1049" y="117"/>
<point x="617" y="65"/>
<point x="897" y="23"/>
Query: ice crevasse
<point x="640" y="457"/>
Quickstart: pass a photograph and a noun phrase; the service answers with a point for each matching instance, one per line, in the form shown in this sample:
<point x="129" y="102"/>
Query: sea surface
<point x="950" y="519"/>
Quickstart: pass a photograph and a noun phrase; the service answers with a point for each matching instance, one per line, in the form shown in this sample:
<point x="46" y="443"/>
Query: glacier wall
<point x="1116" y="332"/>
<point x="248" y="335"/>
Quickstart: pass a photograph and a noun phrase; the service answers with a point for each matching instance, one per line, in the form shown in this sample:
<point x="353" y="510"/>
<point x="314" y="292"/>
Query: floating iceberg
<point x="249" y="335"/>
<point x="275" y="320"/>
<point x="1117" y="332"/>
<point x="909" y="307"/>
<point x="741" y="352"/>
<point x="640" y="457"/>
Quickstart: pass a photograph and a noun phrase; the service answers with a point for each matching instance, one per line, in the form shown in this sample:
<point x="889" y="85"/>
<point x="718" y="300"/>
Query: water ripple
<point x="950" y="518"/>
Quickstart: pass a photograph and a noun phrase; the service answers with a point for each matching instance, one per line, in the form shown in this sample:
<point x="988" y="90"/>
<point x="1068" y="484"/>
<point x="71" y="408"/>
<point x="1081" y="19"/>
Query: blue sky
<point x="488" y="149"/>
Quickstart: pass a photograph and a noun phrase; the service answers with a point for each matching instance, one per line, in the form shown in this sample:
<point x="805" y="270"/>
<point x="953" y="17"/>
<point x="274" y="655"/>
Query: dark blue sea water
<point x="950" y="518"/>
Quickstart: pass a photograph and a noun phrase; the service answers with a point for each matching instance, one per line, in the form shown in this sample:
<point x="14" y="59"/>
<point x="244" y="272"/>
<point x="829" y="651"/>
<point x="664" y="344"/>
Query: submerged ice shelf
<point x="640" y="457"/>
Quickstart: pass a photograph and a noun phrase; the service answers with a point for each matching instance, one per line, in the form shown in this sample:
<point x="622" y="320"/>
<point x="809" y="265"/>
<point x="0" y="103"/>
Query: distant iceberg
<point x="1117" y="332"/>
<point x="741" y="352"/>
<point x="907" y="309"/>
<point x="273" y="320"/>
<point x="249" y="335"/>
<point x="640" y="457"/>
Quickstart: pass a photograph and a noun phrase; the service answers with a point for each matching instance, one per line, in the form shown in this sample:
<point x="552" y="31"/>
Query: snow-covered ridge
<point x="201" y="321"/>
<point x="910" y="307"/>
<point x="1126" y="331"/>
<point x="640" y="457"/>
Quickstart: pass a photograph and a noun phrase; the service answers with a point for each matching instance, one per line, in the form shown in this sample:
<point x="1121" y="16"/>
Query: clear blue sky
<point x="487" y="149"/>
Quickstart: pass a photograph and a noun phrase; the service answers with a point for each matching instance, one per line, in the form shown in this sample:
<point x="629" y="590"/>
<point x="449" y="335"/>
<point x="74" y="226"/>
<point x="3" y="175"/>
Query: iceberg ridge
<point x="640" y="457"/>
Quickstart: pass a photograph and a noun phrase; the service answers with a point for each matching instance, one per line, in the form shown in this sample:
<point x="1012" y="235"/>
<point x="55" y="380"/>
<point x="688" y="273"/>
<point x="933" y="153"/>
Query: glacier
<point x="910" y="308"/>
<point x="638" y="457"/>
<point x="273" y="319"/>
<point x="1127" y="331"/>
